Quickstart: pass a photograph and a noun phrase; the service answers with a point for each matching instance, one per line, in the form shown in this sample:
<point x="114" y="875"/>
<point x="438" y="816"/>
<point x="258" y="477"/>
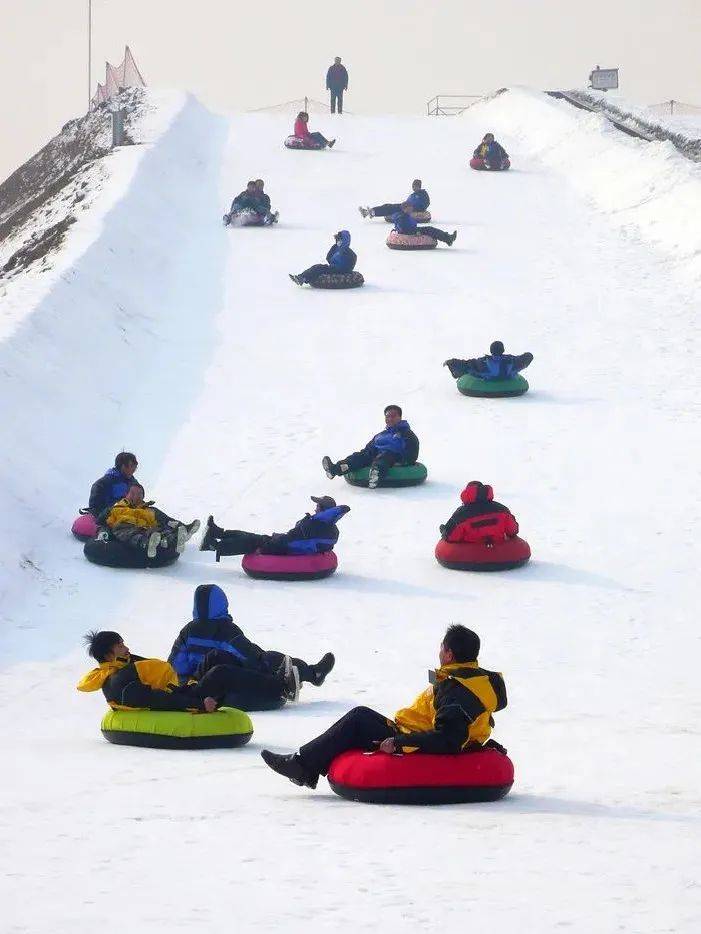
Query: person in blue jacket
<point x="313" y="534"/>
<point x="404" y="223"/>
<point x="339" y="259"/>
<point x="212" y="637"/>
<point x="114" y="484"/>
<point x="396" y="444"/>
<point x="495" y="365"/>
<point x="418" y="199"/>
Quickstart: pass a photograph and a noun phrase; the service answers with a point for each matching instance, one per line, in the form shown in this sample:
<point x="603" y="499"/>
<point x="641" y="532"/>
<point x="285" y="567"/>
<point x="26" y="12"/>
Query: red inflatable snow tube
<point x="290" y="567"/>
<point x="483" y="556"/>
<point x="85" y="527"/>
<point x="477" y="163"/>
<point x="420" y="778"/>
<point x="296" y="142"/>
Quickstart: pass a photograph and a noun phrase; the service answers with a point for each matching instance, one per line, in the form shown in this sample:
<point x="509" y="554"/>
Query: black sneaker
<point x="322" y="668"/>
<point x="296" y="279"/>
<point x="329" y="467"/>
<point x="332" y="143"/>
<point x="291" y="767"/>
<point x="211" y="533"/>
<point x="451" y="241"/>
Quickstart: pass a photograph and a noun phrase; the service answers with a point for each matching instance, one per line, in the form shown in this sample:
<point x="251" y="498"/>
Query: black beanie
<point x="496" y="348"/>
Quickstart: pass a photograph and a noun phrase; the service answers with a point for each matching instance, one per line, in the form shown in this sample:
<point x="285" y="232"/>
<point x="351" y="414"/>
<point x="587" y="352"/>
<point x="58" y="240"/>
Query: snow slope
<point x="188" y="344"/>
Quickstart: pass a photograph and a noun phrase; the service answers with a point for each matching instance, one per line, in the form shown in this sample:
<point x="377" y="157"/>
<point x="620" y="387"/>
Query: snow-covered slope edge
<point x="126" y="317"/>
<point x="649" y="190"/>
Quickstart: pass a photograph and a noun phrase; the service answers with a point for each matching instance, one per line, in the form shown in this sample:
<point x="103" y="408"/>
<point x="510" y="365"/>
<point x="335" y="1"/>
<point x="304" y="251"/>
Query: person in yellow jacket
<point x="140" y="525"/>
<point x="453" y="714"/>
<point x="131" y="682"/>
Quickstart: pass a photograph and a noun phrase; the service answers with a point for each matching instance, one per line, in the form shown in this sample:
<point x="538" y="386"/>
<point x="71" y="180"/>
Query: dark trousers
<point x="386" y="210"/>
<point x="336" y="98"/>
<point x="241" y="687"/>
<point x="360" y="728"/>
<point x="434" y="232"/>
<point x="319" y="138"/>
<point x="236" y="542"/>
<point x="364" y="458"/>
<point x="312" y="274"/>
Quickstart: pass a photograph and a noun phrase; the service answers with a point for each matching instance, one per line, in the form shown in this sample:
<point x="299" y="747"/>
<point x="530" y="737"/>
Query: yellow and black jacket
<point x="454" y="711"/>
<point x="123" y="513"/>
<point x="136" y="683"/>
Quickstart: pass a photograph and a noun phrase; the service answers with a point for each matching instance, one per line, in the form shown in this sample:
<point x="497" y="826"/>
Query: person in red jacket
<point x="302" y="131"/>
<point x="480" y="518"/>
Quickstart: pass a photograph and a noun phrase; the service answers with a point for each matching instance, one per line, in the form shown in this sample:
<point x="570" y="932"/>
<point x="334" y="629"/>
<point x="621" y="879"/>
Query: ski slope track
<point x="166" y="334"/>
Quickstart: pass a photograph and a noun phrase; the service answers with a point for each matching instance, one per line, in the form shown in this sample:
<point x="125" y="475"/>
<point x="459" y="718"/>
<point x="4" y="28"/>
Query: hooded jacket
<point x="480" y="518"/>
<point x="136" y="683"/>
<point x="404" y="223"/>
<point x="454" y="711"/>
<point x="419" y="200"/>
<point x="491" y="366"/>
<point x="211" y="629"/>
<point x="400" y="441"/>
<point x="340" y="257"/>
<point x="123" y="513"/>
<point x="105" y="492"/>
<point x="301" y="129"/>
<point x="313" y="534"/>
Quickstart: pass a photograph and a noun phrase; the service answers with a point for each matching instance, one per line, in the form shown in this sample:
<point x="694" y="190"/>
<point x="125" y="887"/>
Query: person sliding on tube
<point x="453" y="714"/>
<point x="301" y="131"/>
<point x="114" y="484"/>
<point x="396" y="444"/>
<point x="495" y="365"/>
<point x="312" y="535"/>
<point x="480" y="518"/>
<point x="138" y="525"/>
<point x="132" y="682"/>
<point x="213" y="636"/>
<point x="404" y="223"/>
<point x="418" y="199"/>
<point x="491" y="153"/>
<point x="264" y="206"/>
<point x="340" y="259"/>
<point x="253" y="199"/>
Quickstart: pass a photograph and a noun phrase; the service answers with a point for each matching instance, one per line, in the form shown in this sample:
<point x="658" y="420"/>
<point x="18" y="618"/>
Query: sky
<point x="400" y="53"/>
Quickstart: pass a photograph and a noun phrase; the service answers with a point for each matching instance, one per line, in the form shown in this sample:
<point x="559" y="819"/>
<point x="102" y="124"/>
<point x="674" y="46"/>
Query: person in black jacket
<point x="114" y="484"/>
<point x="397" y="444"/>
<point x="212" y="630"/>
<point x="480" y="517"/>
<point x="495" y="365"/>
<point x="312" y="535"/>
<point x="453" y="714"/>
<point x="337" y="83"/>
<point x="137" y="683"/>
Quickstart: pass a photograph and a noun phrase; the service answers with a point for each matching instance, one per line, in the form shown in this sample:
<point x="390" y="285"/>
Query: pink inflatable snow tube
<point x="85" y="527"/>
<point x="398" y="241"/>
<point x="477" y="163"/>
<point x="290" y="567"/>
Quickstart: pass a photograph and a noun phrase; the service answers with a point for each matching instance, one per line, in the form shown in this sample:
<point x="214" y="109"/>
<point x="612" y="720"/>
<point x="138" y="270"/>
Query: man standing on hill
<point x="337" y="83"/>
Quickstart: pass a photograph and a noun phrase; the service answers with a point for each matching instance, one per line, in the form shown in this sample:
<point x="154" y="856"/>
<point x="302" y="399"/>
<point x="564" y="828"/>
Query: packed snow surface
<point x="171" y="336"/>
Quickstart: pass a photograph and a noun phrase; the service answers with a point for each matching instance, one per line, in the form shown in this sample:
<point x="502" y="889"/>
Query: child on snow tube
<point x="339" y="259"/>
<point x="497" y="365"/>
<point x="312" y="535"/>
<point x="397" y="444"/>
<point x="418" y="199"/>
<point x="253" y="202"/>
<point x="310" y="140"/>
<point x="404" y="223"/>
<point x="490" y="155"/>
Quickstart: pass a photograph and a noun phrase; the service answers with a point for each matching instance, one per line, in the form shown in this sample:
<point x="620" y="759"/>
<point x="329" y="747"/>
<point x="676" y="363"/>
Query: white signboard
<point x="604" y="79"/>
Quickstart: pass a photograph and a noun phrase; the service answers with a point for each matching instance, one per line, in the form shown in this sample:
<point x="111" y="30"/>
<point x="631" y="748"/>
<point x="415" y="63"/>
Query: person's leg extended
<point x="312" y="274"/>
<point x="384" y="210"/>
<point x="235" y="542"/>
<point x="319" y="138"/>
<point x="360" y="728"/>
<point x="437" y="234"/>
<point x="239" y="686"/>
<point x="313" y="674"/>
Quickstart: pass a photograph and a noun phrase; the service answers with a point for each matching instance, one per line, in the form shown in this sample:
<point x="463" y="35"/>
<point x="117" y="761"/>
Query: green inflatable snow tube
<point x="226" y="728"/>
<point x="492" y="388"/>
<point x="399" y="475"/>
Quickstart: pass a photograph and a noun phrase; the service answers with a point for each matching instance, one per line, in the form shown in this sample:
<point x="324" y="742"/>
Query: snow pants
<point x="382" y="459"/>
<point x="232" y="681"/>
<point x="360" y="728"/>
<point x="434" y="232"/>
<point x="386" y="210"/>
<point x="237" y="542"/>
<point x="312" y="274"/>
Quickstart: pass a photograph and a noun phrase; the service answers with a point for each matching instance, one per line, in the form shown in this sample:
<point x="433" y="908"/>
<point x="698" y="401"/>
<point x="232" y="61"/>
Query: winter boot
<point x="211" y="533"/>
<point x="296" y="279"/>
<point x="180" y="539"/>
<point x="373" y="476"/>
<point x="330" y="468"/>
<point x="322" y="668"/>
<point x="364" y="212"/>
<point x="289" y="675"/>
<point x="451" y="240"/>
<point x="191" y="528"/>
<point x="152" y="543"/>
<point x="332" y="143"/>
<point x="291" y="767"/>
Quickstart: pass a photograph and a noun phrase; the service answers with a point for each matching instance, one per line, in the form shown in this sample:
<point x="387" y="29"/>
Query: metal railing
<point x="449" y="105"/>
